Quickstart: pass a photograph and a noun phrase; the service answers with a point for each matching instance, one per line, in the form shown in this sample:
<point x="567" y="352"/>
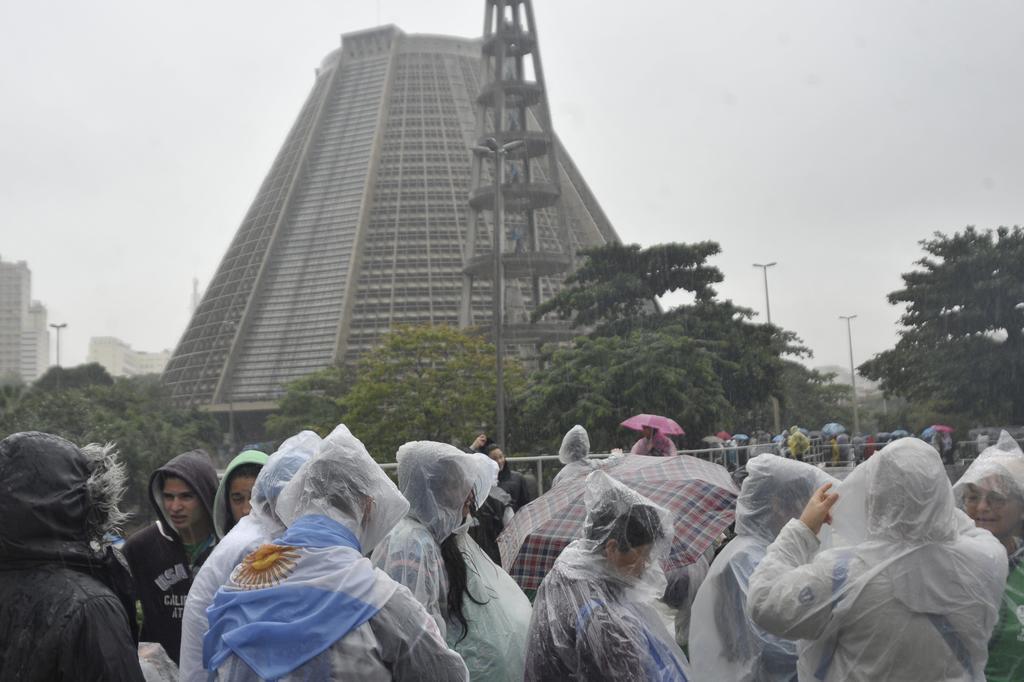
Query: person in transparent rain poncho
<point x="574" y="454"/>
<point x="910" y="589"/>
<point x="991" y="492"/>
<point x="488" y="615"/>
<point x="309" y="605"/>
<point x="675" y="606"/>
<point x="438" y="480"/>
<point x="724" y="643"/>
<point x="261" y="525"/>
<point x="592" y="618"/>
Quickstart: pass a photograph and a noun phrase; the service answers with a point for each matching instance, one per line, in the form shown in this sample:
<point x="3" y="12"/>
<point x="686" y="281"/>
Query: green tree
<point x="961" y="348"/>
<point x="748" y="356"/>
<point x="810" y="398"/>
<point x="57" y="378"/>
<point x="135" y="413"/>
<point x="424" y="383"/>
<point x="602" y="380"/>
<point x="612" y="295"/>
<point x="10" y="394"/>
<point x="617" y="284"/>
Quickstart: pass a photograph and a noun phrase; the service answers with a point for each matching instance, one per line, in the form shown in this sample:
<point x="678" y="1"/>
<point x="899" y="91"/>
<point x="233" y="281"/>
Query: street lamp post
<point x="764" y="269"/>
<point x="491" y="146"/>
<point x="777" y="421"/>
<point x="58" y="327"/>
<point x="853" y="373"/>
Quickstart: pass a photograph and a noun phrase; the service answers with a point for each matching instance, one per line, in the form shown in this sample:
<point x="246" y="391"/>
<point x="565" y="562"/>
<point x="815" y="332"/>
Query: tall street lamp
<point x="777" y="421"/>
<point x="58" y="327"/>
<point x="853" y="373"/>
<point x="764" y="269"/>
<point x="491" y="146"/>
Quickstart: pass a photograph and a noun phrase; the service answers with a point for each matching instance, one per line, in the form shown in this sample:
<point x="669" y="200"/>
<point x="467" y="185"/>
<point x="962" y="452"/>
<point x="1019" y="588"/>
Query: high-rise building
<point x="24" y="338"/>
<point x="120" y="360"/>
<point x="364" y="221"/>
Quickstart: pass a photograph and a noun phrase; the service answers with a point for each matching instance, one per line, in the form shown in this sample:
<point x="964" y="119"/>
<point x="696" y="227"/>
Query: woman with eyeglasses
<point x="991" y="492"/>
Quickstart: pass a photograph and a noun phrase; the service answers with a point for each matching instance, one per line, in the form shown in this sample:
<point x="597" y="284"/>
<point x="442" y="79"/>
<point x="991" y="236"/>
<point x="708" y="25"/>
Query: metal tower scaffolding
<point x="516" y="150"/>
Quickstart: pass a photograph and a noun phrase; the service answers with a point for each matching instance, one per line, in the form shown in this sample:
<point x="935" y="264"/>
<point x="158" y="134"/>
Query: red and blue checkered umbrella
<point x="701" y="496"/>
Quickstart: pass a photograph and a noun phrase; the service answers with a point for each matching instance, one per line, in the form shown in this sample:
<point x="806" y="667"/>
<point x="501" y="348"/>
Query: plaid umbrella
<point x="701" y="495"/>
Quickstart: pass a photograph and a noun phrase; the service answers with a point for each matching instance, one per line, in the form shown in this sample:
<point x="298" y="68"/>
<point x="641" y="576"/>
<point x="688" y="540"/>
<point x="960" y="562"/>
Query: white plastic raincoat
<point x="310" y="606"/>
<point x="574" y="454"/>
<point x="724" y="644"/>
<point x="261" y="525"/>
<point x="436" y="479"/>
<point x="910" y="590"/>
<point x="592" y="618"/>
<point x="496" y="611"/>
<point x="991" y="492"/>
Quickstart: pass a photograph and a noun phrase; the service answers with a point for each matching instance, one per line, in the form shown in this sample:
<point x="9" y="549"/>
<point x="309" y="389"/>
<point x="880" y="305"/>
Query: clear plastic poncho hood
<point x="436" y="478"/>
<point x="615" y="513"/>
<point x="280" y="468"/>
<point x="775" y="491"/>
<point x="724" y="643"/>
<point x="262" y="525"/>
<point x="903" y="497"/>
<point x="999" y="467"/>
<point x="342" y="482"/>
<point x="910" y="589"/>
<point x="575" y="445"/>
<point x="593" y="618"/>
<point x="485" y="478"/>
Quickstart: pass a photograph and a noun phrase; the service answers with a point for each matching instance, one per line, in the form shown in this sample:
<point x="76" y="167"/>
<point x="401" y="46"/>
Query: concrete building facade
<point x="363" y="223"/>
<point x="24" y="337"/>
<point x="118" y="358"/>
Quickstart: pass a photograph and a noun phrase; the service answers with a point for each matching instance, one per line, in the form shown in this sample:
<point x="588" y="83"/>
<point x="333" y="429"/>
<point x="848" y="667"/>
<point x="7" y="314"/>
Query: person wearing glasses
<point x="991" y="492"/>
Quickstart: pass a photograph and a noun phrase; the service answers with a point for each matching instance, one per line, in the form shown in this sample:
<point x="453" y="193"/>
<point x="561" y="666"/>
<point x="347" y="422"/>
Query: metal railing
<point x="819" y="454"/>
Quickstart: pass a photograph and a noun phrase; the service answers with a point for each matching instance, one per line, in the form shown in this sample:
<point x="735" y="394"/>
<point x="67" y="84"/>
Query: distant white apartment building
<point x="24" y="337"/>
<point x="118" y="358"/>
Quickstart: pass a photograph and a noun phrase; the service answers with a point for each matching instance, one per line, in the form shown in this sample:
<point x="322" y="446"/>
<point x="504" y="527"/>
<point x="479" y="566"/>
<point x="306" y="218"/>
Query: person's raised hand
<point x="819" y="508"/>
<point x="479" y="441"/>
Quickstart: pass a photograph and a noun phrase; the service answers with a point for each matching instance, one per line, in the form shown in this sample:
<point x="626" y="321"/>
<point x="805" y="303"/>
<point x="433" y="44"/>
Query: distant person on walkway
<point x="512" y="482"/>
<point x="165" y="557"/>
<point x="574" y="453"/>
<point x="798" y="443"/>
<point x="66" y="611"/>
<point x="654" y="443"/>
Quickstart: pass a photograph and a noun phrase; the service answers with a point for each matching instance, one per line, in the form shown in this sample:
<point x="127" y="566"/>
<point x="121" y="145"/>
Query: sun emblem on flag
<point x="265" y="567"/>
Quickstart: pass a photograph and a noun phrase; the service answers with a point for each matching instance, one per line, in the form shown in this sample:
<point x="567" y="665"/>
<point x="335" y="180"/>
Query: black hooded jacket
<point x="161" y="569"/>
<point x="66" y="610"/>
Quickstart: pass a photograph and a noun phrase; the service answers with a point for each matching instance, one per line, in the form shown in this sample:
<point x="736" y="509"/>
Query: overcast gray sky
<point x="827" y="136"/>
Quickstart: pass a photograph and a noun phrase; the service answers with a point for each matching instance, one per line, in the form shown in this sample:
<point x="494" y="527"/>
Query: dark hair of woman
<point x="637" y="527"/>
<point x="455" y="568"/>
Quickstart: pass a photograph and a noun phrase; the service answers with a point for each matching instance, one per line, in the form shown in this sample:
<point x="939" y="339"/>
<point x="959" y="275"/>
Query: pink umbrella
<point x="664" y="425"/>
<point x="942" y="428"/>
<point x="724" y="435"/>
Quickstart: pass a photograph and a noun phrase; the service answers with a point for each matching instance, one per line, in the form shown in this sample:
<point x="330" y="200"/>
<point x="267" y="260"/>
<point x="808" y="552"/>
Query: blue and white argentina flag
<point x="290" y="600"/>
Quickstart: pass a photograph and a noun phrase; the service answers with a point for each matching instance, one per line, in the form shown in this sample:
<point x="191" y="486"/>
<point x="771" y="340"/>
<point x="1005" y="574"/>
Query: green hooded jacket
<point x="222" y="521"/>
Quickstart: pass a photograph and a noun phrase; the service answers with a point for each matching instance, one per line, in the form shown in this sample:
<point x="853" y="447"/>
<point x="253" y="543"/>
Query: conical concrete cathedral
<point x="374" y="214"/>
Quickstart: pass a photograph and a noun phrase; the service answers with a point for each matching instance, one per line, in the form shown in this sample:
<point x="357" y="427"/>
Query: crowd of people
<point x="312" y="563"/>
<point x="835" y="448"/>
